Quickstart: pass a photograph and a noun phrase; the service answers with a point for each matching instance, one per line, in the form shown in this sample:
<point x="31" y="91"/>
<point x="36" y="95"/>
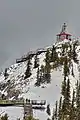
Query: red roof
<point x="64" y="34"/>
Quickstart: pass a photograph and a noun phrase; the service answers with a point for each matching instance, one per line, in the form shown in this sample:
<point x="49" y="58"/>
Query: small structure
<point x="38" y="102"/>
<point x="63" y="34"/>
<point x="40" y="50"/>
<point x="30" y="54"/>
<point x="25" y="57"/>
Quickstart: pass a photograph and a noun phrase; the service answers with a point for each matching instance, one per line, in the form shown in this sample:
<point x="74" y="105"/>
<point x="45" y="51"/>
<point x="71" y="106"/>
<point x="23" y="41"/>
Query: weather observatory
<point x="63" y="34"/>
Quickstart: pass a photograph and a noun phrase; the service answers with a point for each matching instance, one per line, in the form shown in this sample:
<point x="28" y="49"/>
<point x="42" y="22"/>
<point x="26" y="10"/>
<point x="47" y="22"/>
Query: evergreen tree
<point x="36" y="61"/>
<point x="6" y="74"/>
<point x="5" y="117"/>
<point x="60" y="109"/>
<point x="72" y="71"/>
<point x="38" y="74"/>
<point x="28" y="70"/>
<point x="56" y="111"/>
<point x="68" y="94"/>
<point x="72" y="109"/>
<point x="38" y="78"/>
<point x="47" y="75"/>
<point x="64" y="112"/>
<point x="63" y="50"/>
<point x="66" y="67"/>
<point x="77" y="84"/>
<point x="74" y="54"/>
<point x="66" y="102"/>
<point x="70" y="52"/>
<point x="64" y="87"/>
<point x="42" y="74"/>
<point x="47" y="62"/>
<point x="53" y="54"/>
<point x="78" y="102"/>
<point x="73" y="99"/>
<point x="48" y="119"/>
<point x="48" y="110"/>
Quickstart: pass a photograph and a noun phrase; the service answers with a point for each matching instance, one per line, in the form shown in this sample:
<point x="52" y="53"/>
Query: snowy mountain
<point x="14" y="83"/>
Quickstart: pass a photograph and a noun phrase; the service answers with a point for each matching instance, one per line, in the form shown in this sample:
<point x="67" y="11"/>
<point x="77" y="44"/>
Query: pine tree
<point x="28" y="70"/>
<point x="66" y="102"/>
<point x="5" y="117"/>
<point x="72" y="109"/>
<point x="53" y="54"/>
<point x="72" y="71"/>
<point x="77" y="84"/>
<point x="48" y="110"/>
<point x="6" y="74"/>
<point x="60" y="109"/>
<point x="68" y="93"/>
<point x="38" y="74"/>
<point x="63" y="50"/>
<point x="63" y="91"/>
<point x="56" y="111"/>
<point x="47" y="62"/>
<point x="42" y="74"/>
<point x="70" y="52"/>
<point x="64" y="86"/>
<point x="66" y="67"/>
<point x="73" y="99"/>
<point x="78" y="103"/>
<point x="48" y="119"/>
<point x="38" y="78"/>
<point x="36" y="62"/>
<point x="47" y="75"/>
<point x="74" y="54"/>
<point x="63" y="109"/>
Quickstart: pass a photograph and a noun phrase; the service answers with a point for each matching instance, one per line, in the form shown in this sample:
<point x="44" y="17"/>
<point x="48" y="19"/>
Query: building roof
<point x="64" y="34"/>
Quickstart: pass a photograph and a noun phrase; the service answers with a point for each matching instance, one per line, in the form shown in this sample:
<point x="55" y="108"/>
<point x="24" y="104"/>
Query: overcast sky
<point x="30" y="24"/>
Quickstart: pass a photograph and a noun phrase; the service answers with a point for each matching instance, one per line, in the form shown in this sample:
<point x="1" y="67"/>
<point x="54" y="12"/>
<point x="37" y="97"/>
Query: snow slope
<point x="50" y="92"/>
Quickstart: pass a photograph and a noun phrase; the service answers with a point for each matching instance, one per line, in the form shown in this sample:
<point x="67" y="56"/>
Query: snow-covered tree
<point x="63" y="90"/>
<point x="72" y="115"/>
<point x="6" y="74"/>
<point x="56" y="111"/>
<point x="78" y="102"/>
<point x="54" y="55"/>
<point x="5" y="117"/>
<point x="60" y="109"/>
<point x="28" y="70"/>
<point x="36" y="61"/>
<point x="48" y="109"/>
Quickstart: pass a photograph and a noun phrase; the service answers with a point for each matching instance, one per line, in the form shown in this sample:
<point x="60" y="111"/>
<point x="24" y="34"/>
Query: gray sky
<point x="28" y="24"/>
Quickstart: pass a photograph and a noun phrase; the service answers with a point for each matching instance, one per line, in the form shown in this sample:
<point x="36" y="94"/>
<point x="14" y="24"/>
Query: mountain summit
<point x="40" y="75"/>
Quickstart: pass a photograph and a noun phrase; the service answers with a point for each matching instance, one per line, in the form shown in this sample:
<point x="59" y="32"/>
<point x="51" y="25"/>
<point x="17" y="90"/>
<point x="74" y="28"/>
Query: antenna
<point x="64" y="28"/>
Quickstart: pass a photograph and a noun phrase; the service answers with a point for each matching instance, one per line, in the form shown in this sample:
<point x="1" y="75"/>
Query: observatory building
<point x="63" y="34"/>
